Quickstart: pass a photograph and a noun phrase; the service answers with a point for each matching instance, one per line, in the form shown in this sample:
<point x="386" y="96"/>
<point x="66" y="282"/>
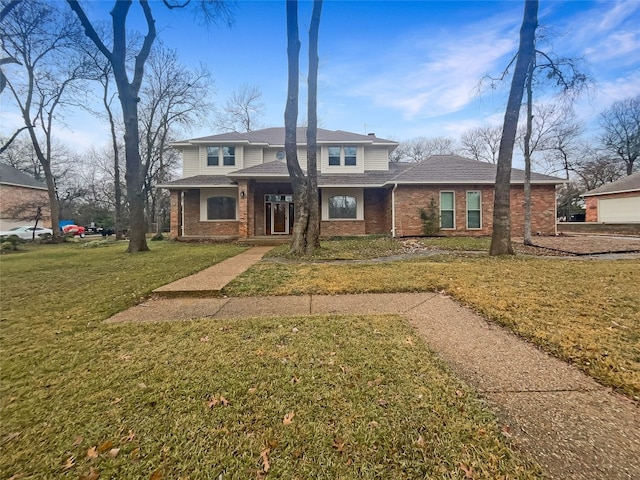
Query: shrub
<point x="430" y="219"/>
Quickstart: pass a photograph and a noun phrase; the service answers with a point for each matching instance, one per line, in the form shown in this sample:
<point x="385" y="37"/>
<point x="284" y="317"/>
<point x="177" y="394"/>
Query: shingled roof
<point x="438" y="170"/>
<point x="630" y="183"/>
<point x="274" y="137"/>
<point x="12" y="176"/>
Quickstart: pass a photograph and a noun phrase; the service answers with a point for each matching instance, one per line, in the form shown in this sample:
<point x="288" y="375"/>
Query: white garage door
<point x="619" y="210"/>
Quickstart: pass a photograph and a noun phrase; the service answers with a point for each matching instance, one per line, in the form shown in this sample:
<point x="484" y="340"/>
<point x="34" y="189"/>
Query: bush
<point x="10" y="242"/>
<point x="430" y="219"/>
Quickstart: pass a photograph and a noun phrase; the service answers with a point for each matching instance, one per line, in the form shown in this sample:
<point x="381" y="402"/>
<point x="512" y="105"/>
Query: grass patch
<point x="471" y="244"/>
<point x="586" y="312"/>
<point x="346" y="248"/>
<point x="202" y="398"/>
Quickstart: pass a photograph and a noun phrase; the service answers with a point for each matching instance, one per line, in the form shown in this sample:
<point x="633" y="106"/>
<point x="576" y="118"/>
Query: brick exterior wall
<point x="377" y="211"/>
<point x="18" y="203"/>
<point x="175" y="214"/>
<point x="193" y="227"/>
<point x="410" y="198"/>
<point x="591" y="203"/>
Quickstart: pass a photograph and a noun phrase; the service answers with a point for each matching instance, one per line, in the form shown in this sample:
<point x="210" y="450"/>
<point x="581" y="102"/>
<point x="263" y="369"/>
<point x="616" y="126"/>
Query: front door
<point x="280" y="218"/>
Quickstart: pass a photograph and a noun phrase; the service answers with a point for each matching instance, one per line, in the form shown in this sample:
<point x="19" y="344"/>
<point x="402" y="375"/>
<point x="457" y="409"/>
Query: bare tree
<point x="621" y="125"/>
<point x="129" y="89"/>
<point x="241" y="111"/>
<point x="173" y="98"/>
<point x="501" y="237"/>
<point x="43" y="40"/>
<point x="420" y="148"/>
<point x="482" y="143"/>
<point x="561" y="146"/>
<point x="595" y="168"/>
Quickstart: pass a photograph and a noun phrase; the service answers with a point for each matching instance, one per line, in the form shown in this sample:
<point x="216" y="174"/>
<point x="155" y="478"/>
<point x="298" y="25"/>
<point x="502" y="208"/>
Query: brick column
<point x="243" y="209"/>
<point x="175" y="213"/>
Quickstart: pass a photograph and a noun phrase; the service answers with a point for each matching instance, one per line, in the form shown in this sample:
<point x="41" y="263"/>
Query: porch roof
<point x="200" y="181"/>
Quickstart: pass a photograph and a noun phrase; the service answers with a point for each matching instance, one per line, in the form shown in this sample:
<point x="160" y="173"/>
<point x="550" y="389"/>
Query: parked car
<point x="75" y="230"/>
<point x="27" y="232"/>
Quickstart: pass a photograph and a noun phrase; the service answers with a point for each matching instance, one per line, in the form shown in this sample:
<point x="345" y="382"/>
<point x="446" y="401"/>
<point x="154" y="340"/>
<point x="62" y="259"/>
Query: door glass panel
<point x="279" y="218"/>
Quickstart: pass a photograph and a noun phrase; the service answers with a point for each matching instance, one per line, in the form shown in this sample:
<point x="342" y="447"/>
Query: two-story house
<point x="236" y="185"/>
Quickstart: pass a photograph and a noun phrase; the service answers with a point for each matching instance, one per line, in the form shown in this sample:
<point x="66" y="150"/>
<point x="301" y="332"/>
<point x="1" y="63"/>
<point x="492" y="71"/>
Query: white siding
<point x="252" y="156"/>
<point x="376" y="158"/>
<point x="619" y="210"/>
<point x="220" y="169"/>
<point x="190" y="161"/>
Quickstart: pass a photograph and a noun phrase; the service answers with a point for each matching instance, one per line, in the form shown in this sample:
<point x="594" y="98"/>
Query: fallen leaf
<point x="69" y="463"/>
<point x="105" y="446"/>
<point x="124" y="357"/>
<point x="383" y="403"/>
<point x="130" y="436"/>
<point x="409" y="341"/>
<point x="468" y="471"/>
<point x="260" y="352"/>
<point x="16" y="476"/>
<point x="295" y="379"/>
<point x="294" y="330"/>
<point x="252" y="390"/>
<point x="224" y="401"/>
<point x="420" y="441"/>
<point x="135" y="454"/>
<point x="338" y="445"/>
<point x="157" y="475"/>
<point x="92" y="475"/>
<point x="213" y="401"/>
<point x="113" y="453"/>
<point x="459" y="393"/>
<point x="482" y="432"/>
<point x="288" y="418"/>
<point x="92" y="453"/>
<point x="78" y="441"/>
<point x="265" y="460"/>
<point x="204" y="339"/>
<point x="374" y="424"/>
<point x="506" y="431"/>
<point x="116" y="401"/>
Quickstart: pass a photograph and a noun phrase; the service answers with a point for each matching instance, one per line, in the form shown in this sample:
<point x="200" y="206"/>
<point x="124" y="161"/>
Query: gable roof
<point x="630" y="183"/>
<point x="12" y="176"/>
<point x="274" y="137"/>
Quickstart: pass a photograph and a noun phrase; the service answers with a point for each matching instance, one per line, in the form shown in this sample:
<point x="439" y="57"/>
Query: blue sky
<point x="400" y="69"/>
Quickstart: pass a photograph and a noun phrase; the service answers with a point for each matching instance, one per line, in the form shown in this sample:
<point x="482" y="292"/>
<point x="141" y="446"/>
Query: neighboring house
<point x="236" y="185"/>
<point x="20" y="196"/>
<point x="615" y="202"/>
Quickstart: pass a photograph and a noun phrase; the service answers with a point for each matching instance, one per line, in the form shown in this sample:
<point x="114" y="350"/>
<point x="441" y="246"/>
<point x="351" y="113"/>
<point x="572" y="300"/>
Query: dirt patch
<point x="587" y="244"/>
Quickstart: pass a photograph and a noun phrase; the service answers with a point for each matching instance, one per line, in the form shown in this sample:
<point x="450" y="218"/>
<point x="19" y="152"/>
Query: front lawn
<point x="310" y="397"/>
<point x="584" y="311"/>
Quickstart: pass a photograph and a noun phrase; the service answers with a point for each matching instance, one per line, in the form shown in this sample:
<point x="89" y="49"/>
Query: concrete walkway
<point x="571" y="425"/>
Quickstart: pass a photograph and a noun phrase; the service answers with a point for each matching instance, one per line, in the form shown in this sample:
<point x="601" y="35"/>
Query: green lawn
<point x="311" y="397"/>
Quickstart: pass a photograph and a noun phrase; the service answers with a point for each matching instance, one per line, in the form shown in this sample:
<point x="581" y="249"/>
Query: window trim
<point x="207" y="219"/>
<point x="343" y="156"/>
<point x="479" y="209"/>
<point x="222" y="158"/>
<point x="440" y="209"/>
<point x="330" y="218"/>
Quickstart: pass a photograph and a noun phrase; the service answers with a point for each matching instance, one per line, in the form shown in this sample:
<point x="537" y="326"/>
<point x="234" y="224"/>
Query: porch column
<point x="243" y="208"/>
<point x="175" y="214"/>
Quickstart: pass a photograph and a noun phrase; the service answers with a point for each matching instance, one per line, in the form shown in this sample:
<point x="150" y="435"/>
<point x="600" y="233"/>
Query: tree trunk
<point x="313" y="228"/>
<point x="133" y="175"/>
<point x="298" y="180"/>
<point x="527" y="156"/>
<point x="117" y="190"/>
<point x="501" y="238"/>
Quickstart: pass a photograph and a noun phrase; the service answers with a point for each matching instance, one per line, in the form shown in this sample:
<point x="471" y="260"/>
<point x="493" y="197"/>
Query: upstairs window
<point x="229" y="154"/>
<point x="221" y="208"/>
<point x="346" y="156"/>
<point x="217" y="156"/>
<point x="213" y="156"/>
<point x="447" y="210"/>
<point x="343" y="207"/>
<point x="349" y="156"/>
<point x="334" y="156"/>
